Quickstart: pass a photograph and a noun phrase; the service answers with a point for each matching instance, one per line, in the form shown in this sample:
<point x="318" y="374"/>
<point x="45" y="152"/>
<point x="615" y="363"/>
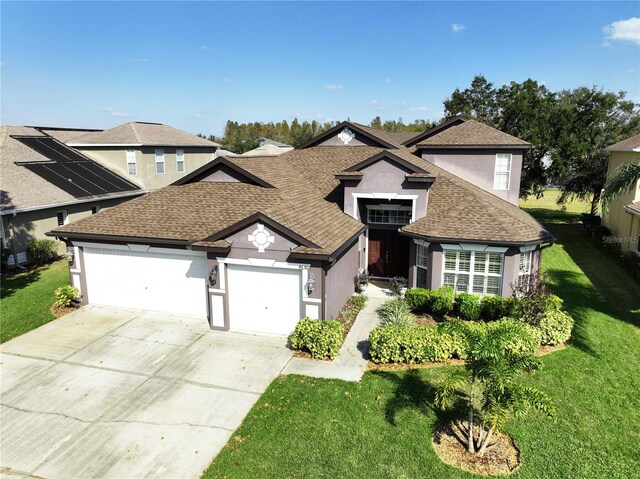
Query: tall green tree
<point x="588" y="120"/>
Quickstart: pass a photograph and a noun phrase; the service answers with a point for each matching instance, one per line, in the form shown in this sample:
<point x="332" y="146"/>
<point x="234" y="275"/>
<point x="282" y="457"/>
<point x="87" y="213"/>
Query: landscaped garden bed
<point x="322" y="339"/>
<point x="433" y="336"/>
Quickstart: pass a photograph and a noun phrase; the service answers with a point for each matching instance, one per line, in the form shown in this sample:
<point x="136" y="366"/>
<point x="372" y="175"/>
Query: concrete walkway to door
<point x="114" y="393"/>
<point x="351" y="362"/>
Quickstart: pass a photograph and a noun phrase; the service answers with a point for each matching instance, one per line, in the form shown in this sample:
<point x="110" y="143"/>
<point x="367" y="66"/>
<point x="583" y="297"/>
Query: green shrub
<point x="492" y="308"/>
<point x="409" y="344"/>
<point x="396" y="312"/>
<point x="358" y="301"/>
<point x="43" y="251"/>
<point x="442" y="301"/>
<point x="467" y="306"/>
<point x="65" y="295"/>
<point x="521" y="338"/>
<point x="418" y="299"/>
<point x="321" y="338"/>
<point x="555" y="327"/>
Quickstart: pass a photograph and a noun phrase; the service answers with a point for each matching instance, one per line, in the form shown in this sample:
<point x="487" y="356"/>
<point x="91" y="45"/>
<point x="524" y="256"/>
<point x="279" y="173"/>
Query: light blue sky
<point x="195" y="65"/>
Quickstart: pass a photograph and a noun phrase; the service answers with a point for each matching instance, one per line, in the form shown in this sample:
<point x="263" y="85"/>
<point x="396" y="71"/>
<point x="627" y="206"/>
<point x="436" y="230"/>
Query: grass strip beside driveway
<point x="26" y="298"/>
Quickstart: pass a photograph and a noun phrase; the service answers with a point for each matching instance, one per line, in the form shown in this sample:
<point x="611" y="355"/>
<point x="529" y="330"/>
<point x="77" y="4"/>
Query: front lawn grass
<point x="383" y="426"/>
<point x="25" y="298"/>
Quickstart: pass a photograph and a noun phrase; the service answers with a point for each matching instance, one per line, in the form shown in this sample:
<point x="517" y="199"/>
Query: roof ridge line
<point x="132" y="125"/>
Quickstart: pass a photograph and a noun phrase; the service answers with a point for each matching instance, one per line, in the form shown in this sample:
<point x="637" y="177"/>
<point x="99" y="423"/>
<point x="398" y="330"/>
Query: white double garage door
<point x="260" y="299"/>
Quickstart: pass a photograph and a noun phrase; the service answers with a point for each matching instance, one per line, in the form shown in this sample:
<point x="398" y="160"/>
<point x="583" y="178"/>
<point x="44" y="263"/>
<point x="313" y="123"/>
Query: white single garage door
<point x="262" y="299"/>
<point x="172" y="281"/>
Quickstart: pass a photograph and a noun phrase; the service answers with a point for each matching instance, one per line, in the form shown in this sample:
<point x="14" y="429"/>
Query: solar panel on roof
<point x="71" y="171"/>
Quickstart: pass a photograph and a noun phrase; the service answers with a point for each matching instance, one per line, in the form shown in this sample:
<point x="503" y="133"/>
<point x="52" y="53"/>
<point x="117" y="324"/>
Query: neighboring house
<point x="152" y="155"/>
<point x="256" y="243"/>
<point x="267" y="150"/>
<point x="45" y="184"/>
<point x="624" y="211"/>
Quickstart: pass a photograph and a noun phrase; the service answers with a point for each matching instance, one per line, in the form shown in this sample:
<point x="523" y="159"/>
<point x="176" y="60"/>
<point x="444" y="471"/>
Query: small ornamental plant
<point x="490" y="385"/>
<point x="66" y="296"/>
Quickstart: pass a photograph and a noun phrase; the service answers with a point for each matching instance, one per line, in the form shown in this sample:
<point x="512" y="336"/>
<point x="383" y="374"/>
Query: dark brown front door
<point x="388" y="253"/>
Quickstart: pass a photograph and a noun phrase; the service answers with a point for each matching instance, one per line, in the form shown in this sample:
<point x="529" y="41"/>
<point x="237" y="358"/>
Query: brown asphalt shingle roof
<point x="630" y="144"/>
<point x="472" y="133"/>
<point x="305" y="200"/>
<point x="140" y="133"/>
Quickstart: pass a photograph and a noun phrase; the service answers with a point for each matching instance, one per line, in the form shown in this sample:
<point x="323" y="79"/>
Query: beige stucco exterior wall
<point x="623" y="225"/>
<point x="26" y="227"/>
<point x="115" y="158"/>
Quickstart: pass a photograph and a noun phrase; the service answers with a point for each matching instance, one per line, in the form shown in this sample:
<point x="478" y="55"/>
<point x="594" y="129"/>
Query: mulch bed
<point x="59" y="311"/>
<point x="426" y="320"/>
<point x="402" y="366"/>
<point x="502" y="457"/>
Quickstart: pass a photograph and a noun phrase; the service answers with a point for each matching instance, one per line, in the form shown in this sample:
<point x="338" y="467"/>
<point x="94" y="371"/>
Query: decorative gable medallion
<point x="261" y="238"/>
<point x="346" y="136"/>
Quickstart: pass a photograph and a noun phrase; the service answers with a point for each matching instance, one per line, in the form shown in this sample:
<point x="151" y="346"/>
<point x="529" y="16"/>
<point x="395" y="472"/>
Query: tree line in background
<point x="568" y="129"/>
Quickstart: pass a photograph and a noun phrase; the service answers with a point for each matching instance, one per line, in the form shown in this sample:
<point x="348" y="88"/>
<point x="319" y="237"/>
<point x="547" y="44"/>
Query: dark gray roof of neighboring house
<point x="469" y="134"/>
<point x="22" y="188"/>
<point x="138" y="133"/>
<point x="629" y="144"/>
<point x="304" y="199"/>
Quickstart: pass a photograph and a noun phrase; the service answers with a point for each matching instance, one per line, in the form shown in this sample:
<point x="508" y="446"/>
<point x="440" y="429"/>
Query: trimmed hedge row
<point x="321" y="338"/>
<point x="438" y="302"/>
<point x="410" y="344"/>
<point x="470" y="307"/>
<point x="418" y="344"/>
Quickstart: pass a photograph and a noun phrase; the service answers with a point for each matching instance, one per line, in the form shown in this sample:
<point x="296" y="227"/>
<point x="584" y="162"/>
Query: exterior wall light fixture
<point x="213" y="276"/>
<point x="311" y="283"/>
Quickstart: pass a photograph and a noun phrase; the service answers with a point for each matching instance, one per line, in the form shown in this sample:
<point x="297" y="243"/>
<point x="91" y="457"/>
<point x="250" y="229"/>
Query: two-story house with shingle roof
<point x="254" y="244"/>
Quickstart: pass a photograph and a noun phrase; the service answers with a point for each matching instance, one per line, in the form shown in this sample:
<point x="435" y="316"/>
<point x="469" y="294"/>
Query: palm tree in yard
<point x="489" y="384"/>
<point x="623" y="181"/>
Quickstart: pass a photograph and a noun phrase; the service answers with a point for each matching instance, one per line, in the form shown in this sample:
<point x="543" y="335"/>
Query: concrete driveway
<point x="127" y="394"/>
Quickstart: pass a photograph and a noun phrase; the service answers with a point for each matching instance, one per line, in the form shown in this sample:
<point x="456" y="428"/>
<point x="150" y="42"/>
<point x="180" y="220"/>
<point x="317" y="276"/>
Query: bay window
<point x="477" y="272"/>
<point x="524" y="270"/>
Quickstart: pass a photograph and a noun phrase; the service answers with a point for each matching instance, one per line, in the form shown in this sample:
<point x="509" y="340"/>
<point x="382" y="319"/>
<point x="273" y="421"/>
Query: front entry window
<point x="389" y="214"/>
<point x="476" y="272"/>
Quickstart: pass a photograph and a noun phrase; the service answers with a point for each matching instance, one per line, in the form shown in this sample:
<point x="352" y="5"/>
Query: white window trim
<point x="180" y="154"/>
<point x="161" y="156"/>
<point x="384" y="196"/>
<point x="131" y="160"/>
<point x="419" y="245"/>
<point x="527" y="273"/>
<point x="388" y="208"/>
<point x="471" y="273"/>
<point x="508" y="172"/>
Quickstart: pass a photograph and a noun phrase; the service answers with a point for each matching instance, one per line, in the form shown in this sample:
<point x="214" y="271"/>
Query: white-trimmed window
<point x="180" y="161"/>
<point x="422" y="261"/>
<point x="131" y="162"/>
<point x="389" y="214"/>
<point x="160" y="161"/>
<point x="502" y="174"/>
<point x="524" y="269"/>
<point x="95" y="209"/>
<point x="476" y="272"/>
<point x="62" y="217"/>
